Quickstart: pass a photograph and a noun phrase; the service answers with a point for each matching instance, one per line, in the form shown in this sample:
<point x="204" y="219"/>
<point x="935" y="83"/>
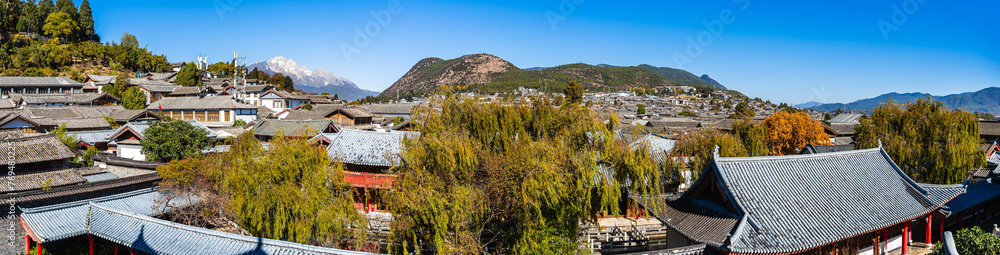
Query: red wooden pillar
<point x="38" y="249"/>
<point x="941" y="231"/>
<point x="906" y="238"/>
<point x="930" y="219"/>
<point x="27" y="244"/>
<point x="116" y="248"/>
<point x="366" y="199"/>
<point x="885" y="240"/>
<point x="90" y="241"/>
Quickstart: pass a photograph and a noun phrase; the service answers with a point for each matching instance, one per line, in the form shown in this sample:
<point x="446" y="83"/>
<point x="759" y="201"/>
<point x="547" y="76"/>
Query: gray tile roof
<point x="37" y="181"/>
<point x="270" y="127"/>
<point x="814" y="149"/>
<point x="159" y="87"/>
<point x="196" y="103"/>
<point x="846" y="129"/>
<point x="975" y="194"/>
<point x="989" y="128"/>
<point x="391" y="109"/>
<point x="848" y="118"/>
<point x="368" y="148"/>
<point x="85" y="98"/>
<point x="38" y="81"/>
<point x="789" y="204"/>
<point x="39" y="148"/>
<point x="125" y="219"/>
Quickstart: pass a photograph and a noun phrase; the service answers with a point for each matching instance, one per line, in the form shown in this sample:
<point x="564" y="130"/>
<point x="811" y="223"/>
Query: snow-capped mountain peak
<point x="319" y="80"/>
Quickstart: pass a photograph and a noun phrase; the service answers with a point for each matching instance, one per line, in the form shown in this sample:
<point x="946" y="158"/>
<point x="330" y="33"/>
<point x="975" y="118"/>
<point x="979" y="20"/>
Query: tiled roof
<point x="369" y="148"/>
<point x="39" y="148"/>
<point x="391" y="109"/>
<point x="285" y="95"/>
<point x="84" y="98"/>
<point x="975" y="194"/>
<point x="102" y="79"/>
<point x="257" y="88"/>
<point x="781" y="201"/>
<point x="186" y="91"/>
<point x="36" y="181"/>
<point x="38" y="81"/>
<point x="159" y="87"/>
<point x="161" y="76"/>
<point x="130" y="115"/>
<point x="60" y="221"/>
<point x="196" y="103"/>
<point x="125" y="219"/>
<point x="72" y="111"/>
<point x="843" y="128"/>
<point x="352" y="112"/>
<point x="848" y="118"/>
<point x="814" y="149"/>
<point x="270" y="127"/>
<point x="156" y="236"/>
<point x="989" y="128"/>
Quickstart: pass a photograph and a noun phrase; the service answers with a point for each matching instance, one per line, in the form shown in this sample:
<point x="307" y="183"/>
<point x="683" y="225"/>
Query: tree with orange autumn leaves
<point x="788" y="131"/>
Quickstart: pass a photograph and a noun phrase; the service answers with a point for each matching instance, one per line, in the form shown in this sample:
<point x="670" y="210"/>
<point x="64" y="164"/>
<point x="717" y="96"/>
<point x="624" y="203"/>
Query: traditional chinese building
<point x="851" y="202"/>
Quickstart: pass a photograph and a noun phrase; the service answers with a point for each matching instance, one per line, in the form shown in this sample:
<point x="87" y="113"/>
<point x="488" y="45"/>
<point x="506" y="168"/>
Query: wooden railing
<point x="369" y="180"/>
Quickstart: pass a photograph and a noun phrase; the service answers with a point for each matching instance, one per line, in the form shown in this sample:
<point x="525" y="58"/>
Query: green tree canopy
<point x="700" y="145"/>
<point x="65" y="137"/>
<point x="188" y="75"/>
<point x="742" y="111"/>
<point x="971" y="241"/>
<point x="510" y="178"/>
<point x="133" y="98"/>
<point x="87" y="22"/>
<point x="173" y="139"/>
<point x="61" y="25"/>
<point x="574" y="92"/>
<point x="641" y="109"/>
<point x="292" y="191"/>
<point x="930" y="143"/>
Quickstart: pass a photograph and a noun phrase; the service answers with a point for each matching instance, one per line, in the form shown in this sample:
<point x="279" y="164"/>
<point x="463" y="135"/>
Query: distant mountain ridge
<point x="684" y="78"/>
<point x="487" y="73"/>
<point x="317" y="81"/>
<point x="986" y="101"/>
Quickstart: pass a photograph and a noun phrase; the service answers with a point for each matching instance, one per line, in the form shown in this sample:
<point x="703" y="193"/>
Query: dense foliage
<point x="173" y="139"/>
<point x="65" y="137"/>
<point x="752" y="135"/>
<point x="971" y="241"/>
<point x="787" y="132"/>
<point x="699" y="147"/>
<point x="574" y="92"/>
<point x="290" y="191"/>
<point x="510" y="178"/>
<point x="188" y="75"/>
<point x="133" y="98"/>
<point x="21" y="55"/>
<point x="930" y="143"/>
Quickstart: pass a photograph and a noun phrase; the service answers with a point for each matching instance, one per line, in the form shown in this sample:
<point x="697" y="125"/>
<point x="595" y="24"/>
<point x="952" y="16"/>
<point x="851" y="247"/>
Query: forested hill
<point x="486" y="73"/>
<point x="984" y="101"/>
<point x="58" y="39"/>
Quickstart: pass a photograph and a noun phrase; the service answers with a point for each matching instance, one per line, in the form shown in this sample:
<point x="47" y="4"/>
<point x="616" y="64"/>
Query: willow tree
<point x="290" y="191"/>
<point x="752" y="135"/>
<point x="511" y="177"/>
<point x="928" y="141"/>
<point x="699" y="148"/>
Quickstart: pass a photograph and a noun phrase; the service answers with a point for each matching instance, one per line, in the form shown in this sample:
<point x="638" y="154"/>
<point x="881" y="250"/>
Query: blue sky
<point x="784" y="51"/>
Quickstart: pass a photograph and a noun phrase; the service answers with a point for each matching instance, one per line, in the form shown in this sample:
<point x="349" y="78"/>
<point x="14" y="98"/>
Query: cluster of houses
<point x="827" y="200"/>
<point x="120" y="189"/>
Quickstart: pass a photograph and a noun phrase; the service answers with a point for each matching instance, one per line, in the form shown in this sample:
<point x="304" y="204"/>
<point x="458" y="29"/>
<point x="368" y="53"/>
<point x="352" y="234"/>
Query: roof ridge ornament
<point x="715" y="154"/>
<point x="880" y="143"/>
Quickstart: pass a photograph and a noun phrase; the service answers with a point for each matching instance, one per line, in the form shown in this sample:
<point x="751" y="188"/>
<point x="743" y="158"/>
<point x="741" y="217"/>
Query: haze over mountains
<point x="986" y="101"/>
<point x="488" y="74"/>
<point x="317" y="81"/>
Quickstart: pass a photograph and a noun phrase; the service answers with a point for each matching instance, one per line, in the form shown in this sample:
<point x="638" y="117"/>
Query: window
<point x="227" y="119"/>
<point x="213" y="116"/>
<point x="277" y="104"/>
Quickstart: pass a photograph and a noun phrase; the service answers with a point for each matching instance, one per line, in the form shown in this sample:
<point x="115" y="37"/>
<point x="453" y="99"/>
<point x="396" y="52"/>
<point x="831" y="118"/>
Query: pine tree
<point x="87" y="22"/>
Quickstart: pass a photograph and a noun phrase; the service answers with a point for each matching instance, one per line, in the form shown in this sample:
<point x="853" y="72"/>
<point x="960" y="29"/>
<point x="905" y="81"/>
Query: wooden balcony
<point x="369" y="180"/>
